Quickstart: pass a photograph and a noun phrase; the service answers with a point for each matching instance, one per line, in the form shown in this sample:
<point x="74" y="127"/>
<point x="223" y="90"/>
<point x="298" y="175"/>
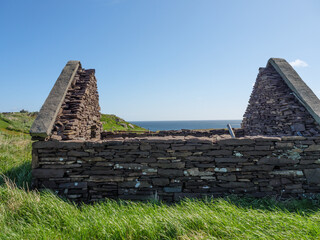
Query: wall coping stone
<point x="298" y="86"/>
<point x="248" y="140"/>
<point x="42" y="126"/>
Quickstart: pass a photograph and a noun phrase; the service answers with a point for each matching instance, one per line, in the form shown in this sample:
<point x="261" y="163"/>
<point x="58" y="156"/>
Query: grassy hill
<point x="111" y="122"/>
<point x="16" y="122"/>
<point x="26" y="214"/>
<point x="21" y="122"/>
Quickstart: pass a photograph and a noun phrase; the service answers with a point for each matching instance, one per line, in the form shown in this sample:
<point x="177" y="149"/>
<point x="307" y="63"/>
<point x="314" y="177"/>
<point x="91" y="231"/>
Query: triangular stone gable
<point x="71" y="111"/>
<point x="79" y="115"/>
<point x="275" y="109"/>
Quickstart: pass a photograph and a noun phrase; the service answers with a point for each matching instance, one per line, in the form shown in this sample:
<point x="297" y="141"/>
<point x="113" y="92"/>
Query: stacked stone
<point x="170" y="168"/>
<point x="273" y="109"/>
<point x="185" y="132"/>
<point x="79" y="116"/>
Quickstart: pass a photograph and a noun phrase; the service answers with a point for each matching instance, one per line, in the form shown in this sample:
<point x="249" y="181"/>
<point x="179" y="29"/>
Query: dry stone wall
<point x="274" y="110"/>
<point x="178" y="133"/>
<point x="78" y="161"/>
<point x="170" y="168"/>
<point x="79" y="115"/>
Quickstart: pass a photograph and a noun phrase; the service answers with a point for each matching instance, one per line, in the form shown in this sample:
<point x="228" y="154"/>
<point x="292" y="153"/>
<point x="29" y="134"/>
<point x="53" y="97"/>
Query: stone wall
<point x="274" y="110"/>
<point x="169" y="168"/>
<point x="79" y="115"/>
<point x="185" y="132"/>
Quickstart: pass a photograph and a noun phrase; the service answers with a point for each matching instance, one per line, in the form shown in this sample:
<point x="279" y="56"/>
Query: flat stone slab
<point x="301" y="90"/>
<point x="43" y="124"/>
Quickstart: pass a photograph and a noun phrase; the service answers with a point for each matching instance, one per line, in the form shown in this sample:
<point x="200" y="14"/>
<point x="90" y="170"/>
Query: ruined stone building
<point x="275" y="153"/>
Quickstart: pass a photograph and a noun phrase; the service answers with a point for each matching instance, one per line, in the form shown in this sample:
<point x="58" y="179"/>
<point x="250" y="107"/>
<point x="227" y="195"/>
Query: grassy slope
<point x="16" y="122"/>
<point x="42" y="215"/>
<point x="113" y="123"/>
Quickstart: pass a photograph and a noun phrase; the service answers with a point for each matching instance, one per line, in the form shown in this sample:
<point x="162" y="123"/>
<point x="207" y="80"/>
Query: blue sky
<point x="155" y="60"/>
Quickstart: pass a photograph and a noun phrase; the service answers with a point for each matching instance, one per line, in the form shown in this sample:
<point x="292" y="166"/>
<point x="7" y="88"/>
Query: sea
<point x="178" y="125"/>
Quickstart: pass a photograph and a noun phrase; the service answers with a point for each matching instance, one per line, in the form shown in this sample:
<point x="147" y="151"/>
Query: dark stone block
<point x="313" y="175"/>
<point x="277" y="161"/>
<point x="47" y="173"/>
<point x="160" y="181"/>
<point x="170" y="173"/>
<point x="74" y="185"/>
<point x="230" y="160"/>
<point x="172" y="189"/>
<point x="236" y="141"/>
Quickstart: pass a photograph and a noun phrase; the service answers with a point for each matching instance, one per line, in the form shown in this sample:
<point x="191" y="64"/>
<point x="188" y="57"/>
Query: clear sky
<point x="159" y="59"/>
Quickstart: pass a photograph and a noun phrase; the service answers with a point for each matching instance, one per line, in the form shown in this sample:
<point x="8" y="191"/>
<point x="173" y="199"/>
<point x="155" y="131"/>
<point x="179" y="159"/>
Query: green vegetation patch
<point x="15" y="157"/>
<point x="18" y="122"/>
<point x="34" y="215"/>
<point x="111" y="122"/>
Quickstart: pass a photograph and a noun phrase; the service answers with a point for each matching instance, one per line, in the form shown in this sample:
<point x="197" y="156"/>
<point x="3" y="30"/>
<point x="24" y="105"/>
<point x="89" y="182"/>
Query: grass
<point x="111" y="122"/>
<point x="26" y="214"/>
<point x="21" y="123"/>
<point x="17" y="122"/>
<point x="34" y="215"/>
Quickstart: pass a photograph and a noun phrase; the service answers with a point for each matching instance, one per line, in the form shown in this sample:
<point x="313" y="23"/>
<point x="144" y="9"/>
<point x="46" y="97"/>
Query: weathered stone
<point x="236" y="141"/>
<point x="74" y="185"/>
<point x="229" y="178"/>
<point x="78" y="154"/>
<point x="124" y="147"/>
<point x="313" y="148"/>
<point x="207" y="147"/>
<point x="234" y="185"/>
<point x="230" y="160"/>
<point x="106" y="179"/>
<point x="199" y="158"/>
<point x="35" y="159"/>
<point x="253" y="168"/>
<point x="144" y="147"/>
<point x="284" y="145"/>
<point x="277" y="161"/>
<point x="292" y="173"/>
<point x="133" y="166"/>
<point x="172" y="189"/>
<point x="186" y="147"/>
<point x="298" y="127"/>
<point x="262" y="148"/>
<point x="170" y="172"/>
<point x="177" y="165"/>
<point x="223" y="170"/>
<point x="313" y="175"/>
<point x="219" y="153"/>
<point x="160" y="181"/>
<point x="47" y="173"/>
<point x="196" y="172"/>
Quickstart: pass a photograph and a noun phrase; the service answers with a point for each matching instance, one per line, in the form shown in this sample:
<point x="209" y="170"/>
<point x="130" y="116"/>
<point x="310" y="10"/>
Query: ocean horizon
<point x="187" y="124"/>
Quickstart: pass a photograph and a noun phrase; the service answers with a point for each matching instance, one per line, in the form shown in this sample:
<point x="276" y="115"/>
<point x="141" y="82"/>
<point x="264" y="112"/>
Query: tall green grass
<point x="34" y="215"/>
<point x="15" y="157"/>
<point x="29" y="214"/>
